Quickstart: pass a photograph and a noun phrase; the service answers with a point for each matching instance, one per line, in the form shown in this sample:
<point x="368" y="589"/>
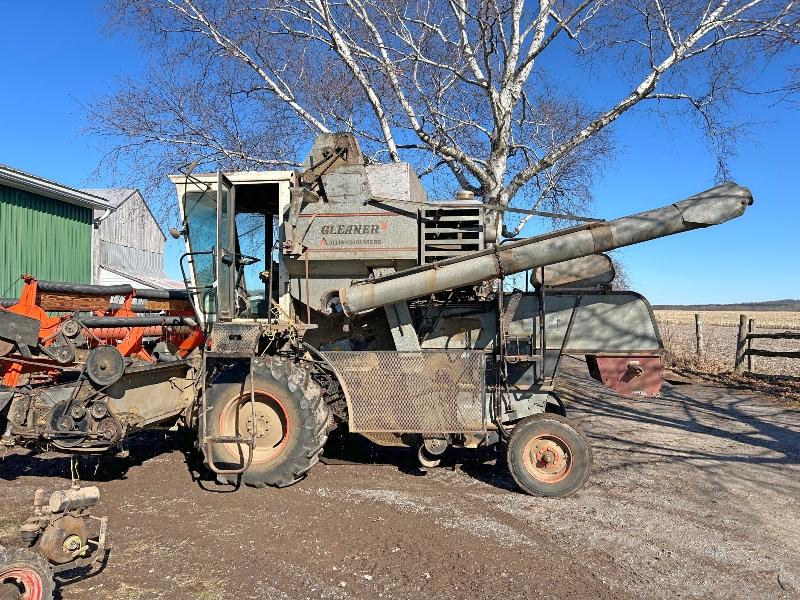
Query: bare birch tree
<point x="467" y="90"/>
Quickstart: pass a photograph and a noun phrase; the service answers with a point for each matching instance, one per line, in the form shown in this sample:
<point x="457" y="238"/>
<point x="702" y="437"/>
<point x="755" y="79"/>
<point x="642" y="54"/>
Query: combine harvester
<point x="376" y="310"/>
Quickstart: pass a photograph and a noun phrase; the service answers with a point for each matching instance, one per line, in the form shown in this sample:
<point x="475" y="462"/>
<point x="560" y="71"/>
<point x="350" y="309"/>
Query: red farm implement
<point x="65" y="349"/>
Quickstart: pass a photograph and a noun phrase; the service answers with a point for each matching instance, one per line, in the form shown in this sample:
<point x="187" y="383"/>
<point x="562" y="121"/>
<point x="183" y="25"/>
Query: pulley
<point x="71" y="328"/>
<point x="105" y="365"/>
<point x="67" y="433"/>
<point x="63" y="540"/>
<point x="63" y="354"/>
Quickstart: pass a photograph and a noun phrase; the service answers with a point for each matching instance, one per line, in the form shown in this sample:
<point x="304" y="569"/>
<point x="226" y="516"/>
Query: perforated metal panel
<point x="234" y="339"/>
<point x="439" y="391"/>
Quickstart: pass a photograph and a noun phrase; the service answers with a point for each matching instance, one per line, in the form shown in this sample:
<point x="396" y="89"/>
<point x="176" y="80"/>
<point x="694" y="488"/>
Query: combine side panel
<point x="616" y="331"/>
<point x="440" y="391"/>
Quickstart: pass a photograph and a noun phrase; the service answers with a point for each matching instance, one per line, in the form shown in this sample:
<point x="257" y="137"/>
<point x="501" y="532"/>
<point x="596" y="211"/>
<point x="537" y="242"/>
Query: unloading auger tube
<point x="712" y="207"/>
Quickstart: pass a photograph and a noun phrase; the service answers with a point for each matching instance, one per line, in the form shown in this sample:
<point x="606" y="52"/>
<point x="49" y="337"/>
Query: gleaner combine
<point x="342" y="297"/>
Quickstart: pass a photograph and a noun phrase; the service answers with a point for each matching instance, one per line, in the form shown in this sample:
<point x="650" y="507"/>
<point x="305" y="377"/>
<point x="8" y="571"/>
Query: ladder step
<point x="229" y="439"/>
<point x="524" y="358"/>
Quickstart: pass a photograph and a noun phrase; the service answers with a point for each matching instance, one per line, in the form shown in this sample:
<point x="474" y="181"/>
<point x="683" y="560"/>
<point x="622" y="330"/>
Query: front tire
<point x="25" y="574"/>
<point x="290" y="422"/>
<point x="548" y="456"/>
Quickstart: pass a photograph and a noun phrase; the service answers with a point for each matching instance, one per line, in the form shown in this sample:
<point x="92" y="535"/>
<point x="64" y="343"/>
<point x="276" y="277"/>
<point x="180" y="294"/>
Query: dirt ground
<point x="693" y="495"/>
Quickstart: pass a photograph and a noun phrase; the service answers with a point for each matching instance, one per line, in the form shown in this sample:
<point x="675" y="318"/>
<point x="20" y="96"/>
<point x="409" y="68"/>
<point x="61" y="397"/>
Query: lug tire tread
<point x="306" y="395"/>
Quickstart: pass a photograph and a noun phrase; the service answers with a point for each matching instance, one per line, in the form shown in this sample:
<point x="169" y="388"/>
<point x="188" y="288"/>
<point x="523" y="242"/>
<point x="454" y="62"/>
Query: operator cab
<point x="231" y="226"/>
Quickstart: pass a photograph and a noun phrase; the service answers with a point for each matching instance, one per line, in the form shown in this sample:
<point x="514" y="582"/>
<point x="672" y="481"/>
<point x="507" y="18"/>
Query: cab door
<point x="225" y="255"/>
<point x="199" y="218"/>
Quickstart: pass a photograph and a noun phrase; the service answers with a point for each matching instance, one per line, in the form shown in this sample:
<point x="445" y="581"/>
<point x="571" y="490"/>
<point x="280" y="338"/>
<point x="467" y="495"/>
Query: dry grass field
<point x="766" y="319"/>
<point x="720" y="330"/>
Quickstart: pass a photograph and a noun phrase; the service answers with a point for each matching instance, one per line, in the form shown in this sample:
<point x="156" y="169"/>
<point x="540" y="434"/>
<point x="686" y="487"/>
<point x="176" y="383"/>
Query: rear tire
<point x="25" y="574"/>
<point x="290" y="424"/>
<point x="549" y="456"/>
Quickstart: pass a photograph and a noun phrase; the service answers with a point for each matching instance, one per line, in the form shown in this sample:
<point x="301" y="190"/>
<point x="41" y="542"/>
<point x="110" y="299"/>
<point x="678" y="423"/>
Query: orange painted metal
<point x="48" y="327"/>
<point x="128" y="340"/>
<point x="194" y="340"/>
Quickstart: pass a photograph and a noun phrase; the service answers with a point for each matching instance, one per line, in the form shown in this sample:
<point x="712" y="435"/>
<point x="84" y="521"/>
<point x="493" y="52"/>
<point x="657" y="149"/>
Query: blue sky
<point x="57" y="56"/>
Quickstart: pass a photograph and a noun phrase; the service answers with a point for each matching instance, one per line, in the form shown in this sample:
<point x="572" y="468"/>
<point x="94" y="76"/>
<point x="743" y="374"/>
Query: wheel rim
<point x="27" y="581"/>
<point x="271" y="426"/>
<point x="547" y="458"/>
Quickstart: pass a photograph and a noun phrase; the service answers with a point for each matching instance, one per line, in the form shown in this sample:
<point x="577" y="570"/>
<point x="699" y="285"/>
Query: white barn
<point x="127" y="242"/>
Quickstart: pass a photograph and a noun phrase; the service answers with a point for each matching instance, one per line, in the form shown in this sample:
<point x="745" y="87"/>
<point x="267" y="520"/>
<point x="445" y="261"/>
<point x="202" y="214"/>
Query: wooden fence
<point x="744" y="350"/>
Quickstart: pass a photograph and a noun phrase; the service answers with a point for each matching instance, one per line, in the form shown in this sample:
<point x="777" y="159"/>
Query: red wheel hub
<point x="547" y="458"/>
<point x="27" y="580"/>
<point x="270" y="426"/>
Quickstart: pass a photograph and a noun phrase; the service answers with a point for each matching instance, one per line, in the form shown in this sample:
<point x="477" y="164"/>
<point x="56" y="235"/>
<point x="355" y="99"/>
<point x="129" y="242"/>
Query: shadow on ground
<point x="141" y="447"/>
<point x="706" y="410"/>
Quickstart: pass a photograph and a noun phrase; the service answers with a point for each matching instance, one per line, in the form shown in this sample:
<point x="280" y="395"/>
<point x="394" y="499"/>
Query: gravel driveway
<point x="694" y="495"/>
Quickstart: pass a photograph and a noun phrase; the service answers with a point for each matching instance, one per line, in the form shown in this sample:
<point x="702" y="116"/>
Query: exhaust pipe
<point x="712" y="207"/>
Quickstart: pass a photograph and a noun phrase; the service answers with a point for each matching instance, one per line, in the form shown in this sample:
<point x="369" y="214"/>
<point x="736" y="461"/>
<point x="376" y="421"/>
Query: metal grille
<point x="438" y="391"/>
<point x="448" y="231"/>
<point x="234" y="339"/>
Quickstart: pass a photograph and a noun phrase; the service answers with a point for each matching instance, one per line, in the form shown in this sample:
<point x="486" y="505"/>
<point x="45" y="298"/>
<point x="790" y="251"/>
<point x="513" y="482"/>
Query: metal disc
<point x="62" y="538"/>
<point x="63" y="354"/>
<point x="70" y="328"/>
<point x="547" y="457"/>
<point x="68" y="436"/>
<point x="435" y="446"/>
<point x="105" y="365"/>
<point x="99" y="410"/>
<point x="109" y="430"/>
<point x="77" y="412"/>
